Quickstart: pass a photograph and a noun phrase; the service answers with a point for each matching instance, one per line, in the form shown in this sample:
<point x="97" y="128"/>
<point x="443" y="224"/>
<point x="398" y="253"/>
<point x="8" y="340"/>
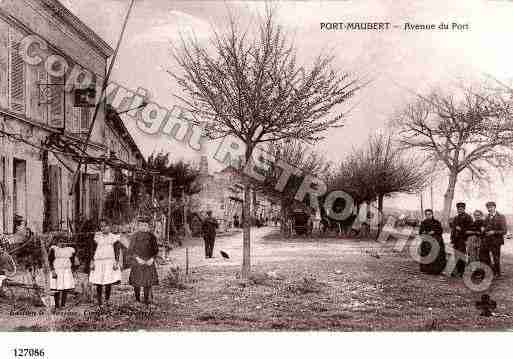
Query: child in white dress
<point x="62" y="259"/>
<point x="105" y="267"/>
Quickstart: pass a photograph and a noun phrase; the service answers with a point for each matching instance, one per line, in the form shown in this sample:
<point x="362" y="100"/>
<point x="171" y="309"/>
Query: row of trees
<point x="249" y="85"/>
<point x="378" y="170"/>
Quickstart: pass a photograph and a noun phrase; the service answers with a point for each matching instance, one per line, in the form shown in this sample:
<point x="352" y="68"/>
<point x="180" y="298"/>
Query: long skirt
<point x="64" y="278"/>
<point x="473" y="245"/>
<point x="104" y="272"/>
<point x="437" y="265"/>
<point x="142" y="275"/>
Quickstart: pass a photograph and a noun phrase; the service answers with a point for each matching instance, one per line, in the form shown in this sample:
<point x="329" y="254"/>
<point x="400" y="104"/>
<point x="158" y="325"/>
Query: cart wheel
<point x="7" y="264"/>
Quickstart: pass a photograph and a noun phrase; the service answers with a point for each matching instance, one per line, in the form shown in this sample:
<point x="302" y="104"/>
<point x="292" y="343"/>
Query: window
<point x="86" y="114"/>
<point x="85" y="118"/>
<point x="37" y="102"/>
<point x="56" y="102"/>
<point x="19" y="189"/>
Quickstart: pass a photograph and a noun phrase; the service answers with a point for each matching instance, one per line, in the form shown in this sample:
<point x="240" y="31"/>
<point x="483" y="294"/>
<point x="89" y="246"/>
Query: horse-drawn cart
<point x="16" y="254"/>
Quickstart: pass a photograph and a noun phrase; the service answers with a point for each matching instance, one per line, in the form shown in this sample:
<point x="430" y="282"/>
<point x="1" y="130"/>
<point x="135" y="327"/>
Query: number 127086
<point x="29" y="353"/>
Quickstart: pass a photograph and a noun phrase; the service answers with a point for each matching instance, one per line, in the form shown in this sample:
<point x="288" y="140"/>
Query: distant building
<point x="223" y="193"/>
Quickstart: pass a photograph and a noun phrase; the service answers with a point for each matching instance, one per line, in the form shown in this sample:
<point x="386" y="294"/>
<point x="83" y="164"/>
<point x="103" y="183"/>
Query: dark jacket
<point x="497" y="224"/>
<point x="464" y="221"/>
<point x="477" y="228"/>
<point x="431" y="225"/>
<point x="143" y="245"/>
<point x="209" y="227"/>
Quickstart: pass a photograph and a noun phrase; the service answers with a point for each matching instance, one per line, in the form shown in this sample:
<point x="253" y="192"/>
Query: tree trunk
<point x="380" y="214"/>
<point x="448" y="197"/>
<point x="246" y="211"/>
<point x="246" y="235"/>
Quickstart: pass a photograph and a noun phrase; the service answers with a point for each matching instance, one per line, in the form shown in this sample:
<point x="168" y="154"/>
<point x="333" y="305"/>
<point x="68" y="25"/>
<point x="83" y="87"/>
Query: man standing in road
<point x="460" y="225"/>
<point x="495" y="229"/>
<point x="209" y="227"/>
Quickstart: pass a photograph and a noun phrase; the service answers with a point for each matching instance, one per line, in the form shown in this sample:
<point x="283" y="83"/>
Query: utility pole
<point x="187" y="232"/>
<point x="76" y="175"/>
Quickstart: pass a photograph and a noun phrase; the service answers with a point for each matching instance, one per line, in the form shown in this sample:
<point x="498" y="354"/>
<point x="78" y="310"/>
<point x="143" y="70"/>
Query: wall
<point x="19" y="18"/>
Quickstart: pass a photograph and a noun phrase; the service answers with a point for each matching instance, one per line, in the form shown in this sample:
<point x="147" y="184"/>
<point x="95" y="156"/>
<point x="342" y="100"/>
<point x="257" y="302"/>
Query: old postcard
<point x="254" y="166"/>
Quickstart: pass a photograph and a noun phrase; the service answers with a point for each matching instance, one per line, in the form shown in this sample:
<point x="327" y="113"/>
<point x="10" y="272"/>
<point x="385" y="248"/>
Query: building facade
<point x="223" y="193"/>
<point x="37" y="102"/>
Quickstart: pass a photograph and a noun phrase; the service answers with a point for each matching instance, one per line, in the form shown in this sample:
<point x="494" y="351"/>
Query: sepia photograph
<point x="255" y="166"/>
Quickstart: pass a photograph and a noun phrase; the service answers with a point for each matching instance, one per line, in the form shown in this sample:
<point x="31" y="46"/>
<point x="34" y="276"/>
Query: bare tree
<point x="470" y="131"/>
<point x="391" y="171"/>
<point x="379" y="170"/>
<point x="253" y="88"/>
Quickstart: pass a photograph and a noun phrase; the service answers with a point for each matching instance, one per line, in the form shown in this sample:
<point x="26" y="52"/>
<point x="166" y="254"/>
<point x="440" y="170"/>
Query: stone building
<point x="36" y="106"/>
<point x="222" y="192"/>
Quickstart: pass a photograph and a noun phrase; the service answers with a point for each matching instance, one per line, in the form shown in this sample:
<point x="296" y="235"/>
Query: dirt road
<point x="316" y="284"/>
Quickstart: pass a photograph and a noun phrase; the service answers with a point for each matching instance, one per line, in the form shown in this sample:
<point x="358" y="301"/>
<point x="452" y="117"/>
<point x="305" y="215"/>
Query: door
<point x="55" y="184"/>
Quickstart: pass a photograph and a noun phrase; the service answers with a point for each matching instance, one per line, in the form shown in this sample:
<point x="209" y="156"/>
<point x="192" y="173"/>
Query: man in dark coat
<point x="143" y="251"/>
<point x="431" y="230"/>
<point x="209" y="227"/>
<point x="460" y="225"/>
<point x="495" y="229"/>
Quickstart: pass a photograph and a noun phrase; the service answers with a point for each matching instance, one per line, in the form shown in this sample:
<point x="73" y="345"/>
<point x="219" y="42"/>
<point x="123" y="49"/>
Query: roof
<point x="113" y="117"/>
<point x="85" y="31"/>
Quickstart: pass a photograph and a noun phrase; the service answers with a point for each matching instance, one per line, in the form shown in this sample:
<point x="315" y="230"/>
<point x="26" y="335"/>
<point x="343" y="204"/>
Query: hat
<point x="491" y="204"/>
<point x="460" y="205"/>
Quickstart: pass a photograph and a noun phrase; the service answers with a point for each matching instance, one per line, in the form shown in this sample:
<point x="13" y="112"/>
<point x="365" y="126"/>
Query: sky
<point x="399" y="63"/>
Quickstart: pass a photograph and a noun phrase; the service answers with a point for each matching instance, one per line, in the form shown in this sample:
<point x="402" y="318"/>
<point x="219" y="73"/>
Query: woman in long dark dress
<point x="431" y="231"/>
<point x="143" y="250"/>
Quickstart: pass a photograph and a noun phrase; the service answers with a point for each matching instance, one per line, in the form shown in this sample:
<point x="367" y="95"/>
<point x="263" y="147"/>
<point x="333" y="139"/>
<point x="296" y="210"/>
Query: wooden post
<point x="153" y="200"/>
<point x="432" y="202"/>
<point x="187" y="231"/>
<point x="129" y="188"/>
<point x="169" y="212"/>
<point x="152" y="190"/>
<point x="102" y="190"/>
<point x="169" y="215"/>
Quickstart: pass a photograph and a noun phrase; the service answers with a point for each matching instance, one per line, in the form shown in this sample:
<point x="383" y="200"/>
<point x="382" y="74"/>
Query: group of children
<point x="105" y="267"/>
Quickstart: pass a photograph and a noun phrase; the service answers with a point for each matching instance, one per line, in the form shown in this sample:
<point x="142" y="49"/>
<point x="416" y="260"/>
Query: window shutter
<point x="85" y="119"/>
<point x="56" y="102"/>
<point x="17" y="83"/>
<point x="4" y="64"/>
